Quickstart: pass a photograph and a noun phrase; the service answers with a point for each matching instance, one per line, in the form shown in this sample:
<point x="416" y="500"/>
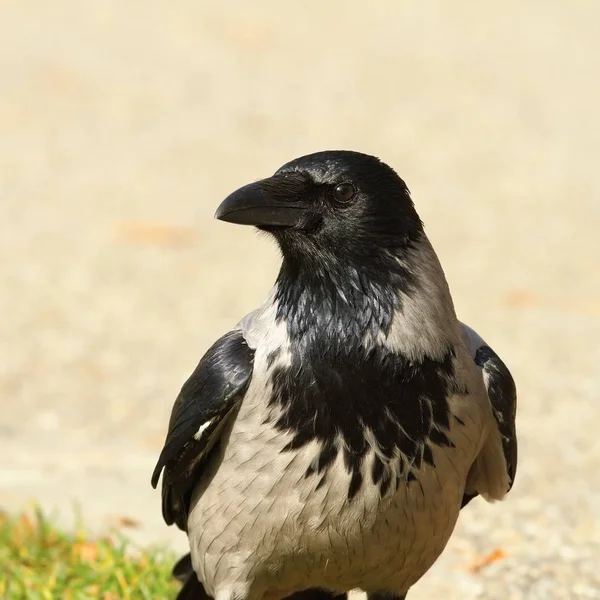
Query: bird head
<point x="335" y="203"/>
<point x="354" y="253"/>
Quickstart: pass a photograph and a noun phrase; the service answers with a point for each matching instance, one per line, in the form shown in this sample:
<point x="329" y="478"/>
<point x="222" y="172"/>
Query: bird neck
<point x="398" y="300"/>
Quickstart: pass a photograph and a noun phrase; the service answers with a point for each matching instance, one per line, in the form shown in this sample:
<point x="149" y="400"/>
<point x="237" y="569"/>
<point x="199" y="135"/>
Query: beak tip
<point x="221" y="212"/>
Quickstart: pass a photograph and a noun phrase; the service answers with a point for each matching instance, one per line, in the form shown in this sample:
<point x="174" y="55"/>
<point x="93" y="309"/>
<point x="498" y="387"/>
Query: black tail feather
<point x="316" y="594"/>
<point x="183" y="568"/>
<point x="192" y="589"/>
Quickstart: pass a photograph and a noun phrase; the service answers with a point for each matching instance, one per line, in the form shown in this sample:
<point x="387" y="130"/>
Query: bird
<point x="329" y="440"/>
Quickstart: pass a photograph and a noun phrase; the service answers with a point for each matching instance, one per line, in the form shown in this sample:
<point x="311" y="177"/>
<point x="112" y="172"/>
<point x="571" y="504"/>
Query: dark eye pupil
<point x="344" y="192"/>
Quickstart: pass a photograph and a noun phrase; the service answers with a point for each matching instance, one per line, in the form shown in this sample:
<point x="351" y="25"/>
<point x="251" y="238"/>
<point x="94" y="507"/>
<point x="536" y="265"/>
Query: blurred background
<point x="124" y="124"/>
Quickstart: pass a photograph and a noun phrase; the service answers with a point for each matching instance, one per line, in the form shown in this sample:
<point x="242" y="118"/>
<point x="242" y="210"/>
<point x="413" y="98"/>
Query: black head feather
<point x="378" y="215"/>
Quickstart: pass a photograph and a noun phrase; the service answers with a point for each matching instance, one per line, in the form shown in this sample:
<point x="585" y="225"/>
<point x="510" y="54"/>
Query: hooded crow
<point x="329" y="441"/>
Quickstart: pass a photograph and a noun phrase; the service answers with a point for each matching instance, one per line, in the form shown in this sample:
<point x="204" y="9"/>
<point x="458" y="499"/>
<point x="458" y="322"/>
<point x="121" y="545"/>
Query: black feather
<point x="316" y="594"/>
<point x="192" y="590"/>
<point x="183" y="568"/>
<point x="210" y="395"/>
<point x="502" y="393"/>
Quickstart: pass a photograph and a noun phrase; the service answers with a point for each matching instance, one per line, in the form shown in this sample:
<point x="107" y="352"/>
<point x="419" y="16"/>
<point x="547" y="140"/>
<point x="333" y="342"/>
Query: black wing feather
<point x="207" y="398"/>
<point x="502" y="393"/>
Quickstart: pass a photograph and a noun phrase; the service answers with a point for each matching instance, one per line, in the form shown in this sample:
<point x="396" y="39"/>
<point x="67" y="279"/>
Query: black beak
<point x="273" y="202"/>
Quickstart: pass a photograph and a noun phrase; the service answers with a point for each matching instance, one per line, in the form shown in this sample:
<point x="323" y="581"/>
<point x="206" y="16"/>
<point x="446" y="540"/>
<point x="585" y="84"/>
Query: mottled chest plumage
<point x="358" y="401"/>
<point x="323" y="463"/>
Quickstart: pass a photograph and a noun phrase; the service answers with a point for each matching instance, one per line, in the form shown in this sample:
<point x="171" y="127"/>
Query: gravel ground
<point x="123" y="125"/>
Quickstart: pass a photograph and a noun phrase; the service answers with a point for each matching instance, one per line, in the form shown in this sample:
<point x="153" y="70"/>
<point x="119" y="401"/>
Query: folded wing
<point x="206" y="404"/>
<point x="493" y="473"/>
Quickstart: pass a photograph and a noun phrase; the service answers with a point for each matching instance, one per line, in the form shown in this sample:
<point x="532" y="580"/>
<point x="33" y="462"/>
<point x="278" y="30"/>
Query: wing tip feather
<point x="156" y="473"/>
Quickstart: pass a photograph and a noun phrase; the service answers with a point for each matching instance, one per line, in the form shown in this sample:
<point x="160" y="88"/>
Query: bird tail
<point x="192" y="589"/>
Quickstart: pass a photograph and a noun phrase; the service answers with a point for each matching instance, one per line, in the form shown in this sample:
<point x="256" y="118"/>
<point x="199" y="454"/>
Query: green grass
<point x="39" y="561"/>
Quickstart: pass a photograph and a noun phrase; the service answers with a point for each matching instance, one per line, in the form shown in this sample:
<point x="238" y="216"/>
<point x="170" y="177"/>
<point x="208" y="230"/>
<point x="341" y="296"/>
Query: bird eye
<point x="344" y="192"/>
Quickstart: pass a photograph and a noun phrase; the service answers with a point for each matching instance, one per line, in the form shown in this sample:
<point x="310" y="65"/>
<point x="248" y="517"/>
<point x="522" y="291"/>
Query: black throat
<point x="324" y="301"/>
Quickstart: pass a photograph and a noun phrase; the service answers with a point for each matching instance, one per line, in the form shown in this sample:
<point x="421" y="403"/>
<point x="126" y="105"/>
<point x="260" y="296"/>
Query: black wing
<point x="502" y="393"/>
<point x="202" y="408"/>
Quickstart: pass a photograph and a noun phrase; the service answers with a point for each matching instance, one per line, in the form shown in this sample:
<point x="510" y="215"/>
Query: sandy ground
<point x="123" y="125"/>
